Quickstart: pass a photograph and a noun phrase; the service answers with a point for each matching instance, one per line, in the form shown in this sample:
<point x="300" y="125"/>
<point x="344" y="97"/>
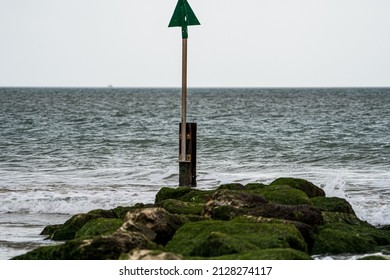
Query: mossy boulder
<point x="241" y="187"/>
<point x="102" y="213"/>
<point x="68" y="230"/>
<point x="175" y="206"/>
<point x="100" y="248"/>
<point x="333" y="204"/>
<point x="50" y="229"/>
<point x="143" y="254"/>
<point x="283" y="194"/>
<point x="112" y="246"/>
<point x="156" y="223"/>
<point x="345" y="218"/>
<point x="301" y="184"/>
<point x="183" y="194"/>
<point x="118" y="212"/>
<point x="99" y="226"/>
<point x="268" y="254"/>
<point x="216" y="238"/>
<point x="255" y="186"/>
<point x="338" y="238"/>
<point x="300" y="213"/>
<point x="121" y="211"/>
<point x="171" y="193"/>
<point x="228" y="204"/>
<point x="232" y="186"/>
<point x="307" y="231"/>
<point x="234" y="198"/>
<point x="335" y="241"/>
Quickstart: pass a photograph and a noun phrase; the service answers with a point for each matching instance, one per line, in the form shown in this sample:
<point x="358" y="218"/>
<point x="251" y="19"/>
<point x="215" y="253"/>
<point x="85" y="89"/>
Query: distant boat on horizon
<point x="110" y="86"/>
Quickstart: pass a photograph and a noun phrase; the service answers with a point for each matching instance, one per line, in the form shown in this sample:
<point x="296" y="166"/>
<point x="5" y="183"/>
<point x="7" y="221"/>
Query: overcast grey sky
<point x="244" y="43"/>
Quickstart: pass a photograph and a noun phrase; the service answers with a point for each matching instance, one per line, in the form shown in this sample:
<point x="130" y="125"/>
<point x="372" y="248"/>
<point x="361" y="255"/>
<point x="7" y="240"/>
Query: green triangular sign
<point x="183" y="15"/>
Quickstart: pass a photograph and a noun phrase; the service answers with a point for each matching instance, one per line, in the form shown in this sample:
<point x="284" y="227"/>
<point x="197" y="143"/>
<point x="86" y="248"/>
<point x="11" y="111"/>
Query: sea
<point x="71" y="150"/>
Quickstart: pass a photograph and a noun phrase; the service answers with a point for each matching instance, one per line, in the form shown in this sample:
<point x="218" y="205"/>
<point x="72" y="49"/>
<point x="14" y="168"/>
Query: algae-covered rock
<point x="171" y="193"/>
<point x="157" y="220"/>
<point x="181" y="207"/>
<point x="118" y="212"/>
<point x="53" y="252"/>
<point x="333" y="204"/>
<point x="99" y="226"/>
<point x="255" y="186"/>
<point x="241" y="187"/>
<point x="221" y="243"/>
<point x="335" y="241"/>
<point x="227" y="204"/>
<point x="346" y="218"/>
<point x="307" y="231"/>
<point x="216" y="238"/>
<point x="100" y="248"/>
<point x="68" y="230"/>
<point x="268" y="254"/>
<point x="110" y="247"/>
<point x="232" y="186"/>
<point x="50" y="229"/>
<point x="102" y="213"/>
<point x="283" y="194"/>
<point x="338" y="238"/>
<point x="301" y="184"/>
<point x="138" y="254"/>
<point x="184" y="194"/>
<point x="301" y="213"/>
<point x="238" y="199"/>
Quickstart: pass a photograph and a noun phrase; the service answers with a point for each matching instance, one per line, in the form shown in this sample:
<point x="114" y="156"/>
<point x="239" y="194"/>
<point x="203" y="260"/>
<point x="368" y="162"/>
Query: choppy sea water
<point x="70" y="150"/>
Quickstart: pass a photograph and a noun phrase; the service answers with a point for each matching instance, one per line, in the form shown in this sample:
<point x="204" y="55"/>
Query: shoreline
<point x="295" y="218"/>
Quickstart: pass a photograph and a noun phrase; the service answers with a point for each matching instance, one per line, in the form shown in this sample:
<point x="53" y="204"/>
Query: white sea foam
<point x="368" y="192"/>
<point x="350" y="256"/>
<point x="70" y="200"/>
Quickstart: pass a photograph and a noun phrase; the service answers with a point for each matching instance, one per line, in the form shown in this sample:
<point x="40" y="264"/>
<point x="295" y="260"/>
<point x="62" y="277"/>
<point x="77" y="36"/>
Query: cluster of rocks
<point x="287" y="219"/>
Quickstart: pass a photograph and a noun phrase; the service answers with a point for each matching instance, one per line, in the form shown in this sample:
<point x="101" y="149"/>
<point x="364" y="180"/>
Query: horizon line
<point x="196" y="87"/>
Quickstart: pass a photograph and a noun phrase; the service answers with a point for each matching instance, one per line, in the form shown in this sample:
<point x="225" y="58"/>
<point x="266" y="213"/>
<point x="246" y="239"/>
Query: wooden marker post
<point x="182" y="17"/>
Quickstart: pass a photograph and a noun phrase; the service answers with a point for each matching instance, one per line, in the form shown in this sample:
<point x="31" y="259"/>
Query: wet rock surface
<point x="288" y="219"/>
